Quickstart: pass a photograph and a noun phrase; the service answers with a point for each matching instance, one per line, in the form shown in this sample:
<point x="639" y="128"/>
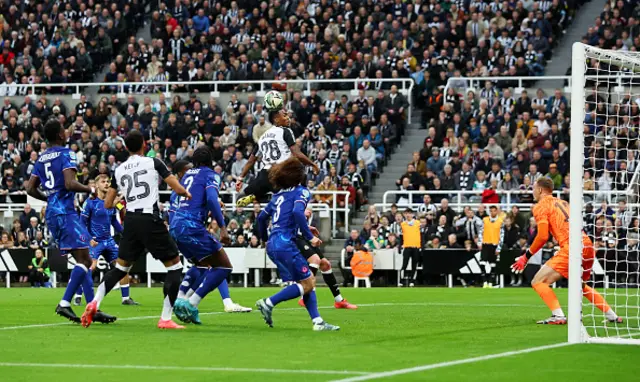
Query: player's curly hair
<point x="287" y="174"/>
<point x="202" y="157"/>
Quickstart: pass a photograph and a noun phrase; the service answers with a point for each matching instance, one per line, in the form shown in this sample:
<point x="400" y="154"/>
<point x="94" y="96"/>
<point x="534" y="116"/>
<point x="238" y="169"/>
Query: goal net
<point x="604" y="189"/>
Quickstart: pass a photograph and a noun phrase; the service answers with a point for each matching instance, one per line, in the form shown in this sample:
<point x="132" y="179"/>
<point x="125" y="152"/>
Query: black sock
<point x="331" y="282"/>
<point x="112" y="278"/>
<point x="314" y="269"/>
<point x="172" y="284"/>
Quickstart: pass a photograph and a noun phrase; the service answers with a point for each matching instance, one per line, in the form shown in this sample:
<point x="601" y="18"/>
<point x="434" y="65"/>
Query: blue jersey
<point x="187" y="221"/>
<point x="286" y="210"/>
<point x="99" y="219"/>
<point x="203" y="183"/>
<point x="49" y="168"/>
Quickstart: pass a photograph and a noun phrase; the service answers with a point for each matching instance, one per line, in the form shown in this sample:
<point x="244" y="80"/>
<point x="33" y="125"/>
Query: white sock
<point x="77" y="295"/>
<point x="611" y="315"/>
<point x="181" y="294"/>
<point x="64" y="304"/>
<point x="195" y="300"/>
<point x="317" y="320"/>
<point x="190" y="293"/>
<point x="167" y="309"/>
<point x="100" y="292"/>
<point x="557" y="312"/>
<point x="227" y="302"/>
<point x="269" y="303"/>
<point x="338" y="298"/>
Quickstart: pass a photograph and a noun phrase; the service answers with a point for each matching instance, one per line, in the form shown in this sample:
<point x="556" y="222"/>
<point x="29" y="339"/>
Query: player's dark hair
<point x="179" y="166"/>
<point x="134" y="141"/>
<point x="272" y="115"/>
<point x="52" y="130"/>
<point x="202" y="157"/>
<point x="287" y="174"/>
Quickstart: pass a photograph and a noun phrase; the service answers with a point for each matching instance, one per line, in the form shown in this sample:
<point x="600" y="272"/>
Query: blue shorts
<point x="292" y="266"/>
<point x="105" y="248"/>
<point x="69" y="231"/>
<point x="195" y="243"/>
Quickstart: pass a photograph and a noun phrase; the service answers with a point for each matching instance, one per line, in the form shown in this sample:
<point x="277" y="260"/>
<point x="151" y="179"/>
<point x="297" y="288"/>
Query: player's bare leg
<point x="541" y="284"/>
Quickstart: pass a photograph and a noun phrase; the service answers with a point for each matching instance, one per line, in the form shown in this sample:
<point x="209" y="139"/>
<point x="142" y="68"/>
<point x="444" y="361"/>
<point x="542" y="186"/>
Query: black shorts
<point x="259" y="186"/>
<point x="488" y="253"/>
<point x="307" y="249"/>
<point x="144" y="233"/>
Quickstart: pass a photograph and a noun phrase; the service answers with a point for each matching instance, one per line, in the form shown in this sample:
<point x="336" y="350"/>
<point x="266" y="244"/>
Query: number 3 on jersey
<point x="278" y="203"/>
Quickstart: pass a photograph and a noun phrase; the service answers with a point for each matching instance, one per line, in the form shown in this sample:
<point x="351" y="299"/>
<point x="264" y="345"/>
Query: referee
<point x="144" y="229"/>
<point x="491" y="227"/>
<point x="411" y="244"/>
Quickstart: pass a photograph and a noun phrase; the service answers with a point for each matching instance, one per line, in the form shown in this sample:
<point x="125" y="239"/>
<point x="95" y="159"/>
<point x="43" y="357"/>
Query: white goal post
<point x="600" y="121"/>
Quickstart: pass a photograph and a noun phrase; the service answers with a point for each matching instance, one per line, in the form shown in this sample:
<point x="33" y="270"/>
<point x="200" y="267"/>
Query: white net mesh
<point x="610" y="183"/>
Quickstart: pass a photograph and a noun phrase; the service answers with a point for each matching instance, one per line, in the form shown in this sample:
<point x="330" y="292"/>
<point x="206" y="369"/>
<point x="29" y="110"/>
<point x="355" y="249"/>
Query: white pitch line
<point x="180" y="368"/>
<point x="393" y="373"/>
<point x="381" y="304"/>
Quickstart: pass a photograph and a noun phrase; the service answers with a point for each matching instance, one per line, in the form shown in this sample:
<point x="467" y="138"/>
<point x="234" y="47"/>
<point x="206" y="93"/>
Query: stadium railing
<point x="124" y="88"/>
<point x="476" y="84"/>
<point x="333" y="210"/>
<point x="458" y="199"/>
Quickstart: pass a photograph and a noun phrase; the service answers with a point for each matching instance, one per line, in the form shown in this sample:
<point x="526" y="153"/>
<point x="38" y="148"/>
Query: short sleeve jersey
<point x="50" y="168"/>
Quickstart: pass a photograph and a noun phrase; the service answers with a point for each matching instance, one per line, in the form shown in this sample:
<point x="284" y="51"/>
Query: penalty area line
<point x="393" y="373"/>
<point x="179" y="368"/>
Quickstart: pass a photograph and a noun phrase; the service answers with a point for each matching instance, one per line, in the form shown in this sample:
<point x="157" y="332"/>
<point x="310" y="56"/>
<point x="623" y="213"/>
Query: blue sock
<point x="311" y="303"/>
<point x="213" y="278"/>
<point x="223" y="288"/>
<point x="78" y="274"/>
<point x="87" y="287"/>
<point x="287" y="293"/>
<point x="124" y="289"/>
<point x="190" y="278"/>
<point x="79" y="290"/>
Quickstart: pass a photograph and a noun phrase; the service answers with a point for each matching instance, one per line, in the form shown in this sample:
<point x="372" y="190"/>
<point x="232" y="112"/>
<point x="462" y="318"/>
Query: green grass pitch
<point x="394" y="329"/>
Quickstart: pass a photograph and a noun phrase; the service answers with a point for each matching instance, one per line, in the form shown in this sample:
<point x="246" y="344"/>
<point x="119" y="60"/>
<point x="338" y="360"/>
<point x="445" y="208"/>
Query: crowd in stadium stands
<point x="487" y="141"/>
<point x="49" y="42"/>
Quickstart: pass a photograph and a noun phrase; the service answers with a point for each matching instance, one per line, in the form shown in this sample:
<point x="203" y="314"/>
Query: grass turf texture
<point x="393" y="329"/>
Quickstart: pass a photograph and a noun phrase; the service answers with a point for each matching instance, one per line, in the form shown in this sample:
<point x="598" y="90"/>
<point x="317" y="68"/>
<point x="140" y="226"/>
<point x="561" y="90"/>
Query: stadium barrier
<point x="447" y="262"/>
<point x="476" y="84"/>
<point x="451" y="263"/>
<point x="458" y="199"/>
<point x="168" y="88"/>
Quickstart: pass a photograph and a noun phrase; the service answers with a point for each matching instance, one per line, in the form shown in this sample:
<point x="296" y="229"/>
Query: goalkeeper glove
<point x="521" y="262"/>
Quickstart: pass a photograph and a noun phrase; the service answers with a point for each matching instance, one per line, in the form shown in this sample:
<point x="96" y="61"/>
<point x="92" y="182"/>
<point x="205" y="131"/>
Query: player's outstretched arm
<point x="175" y="185"/>
<point x="71" y="182"/>
<point x="295" y="150"/>
<point x="301" y="220"/>
<point x="112" y="193"/>
<point x="32" y="188"/>
<point x="248" y="166"/>
<point x="542" y="236"/>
